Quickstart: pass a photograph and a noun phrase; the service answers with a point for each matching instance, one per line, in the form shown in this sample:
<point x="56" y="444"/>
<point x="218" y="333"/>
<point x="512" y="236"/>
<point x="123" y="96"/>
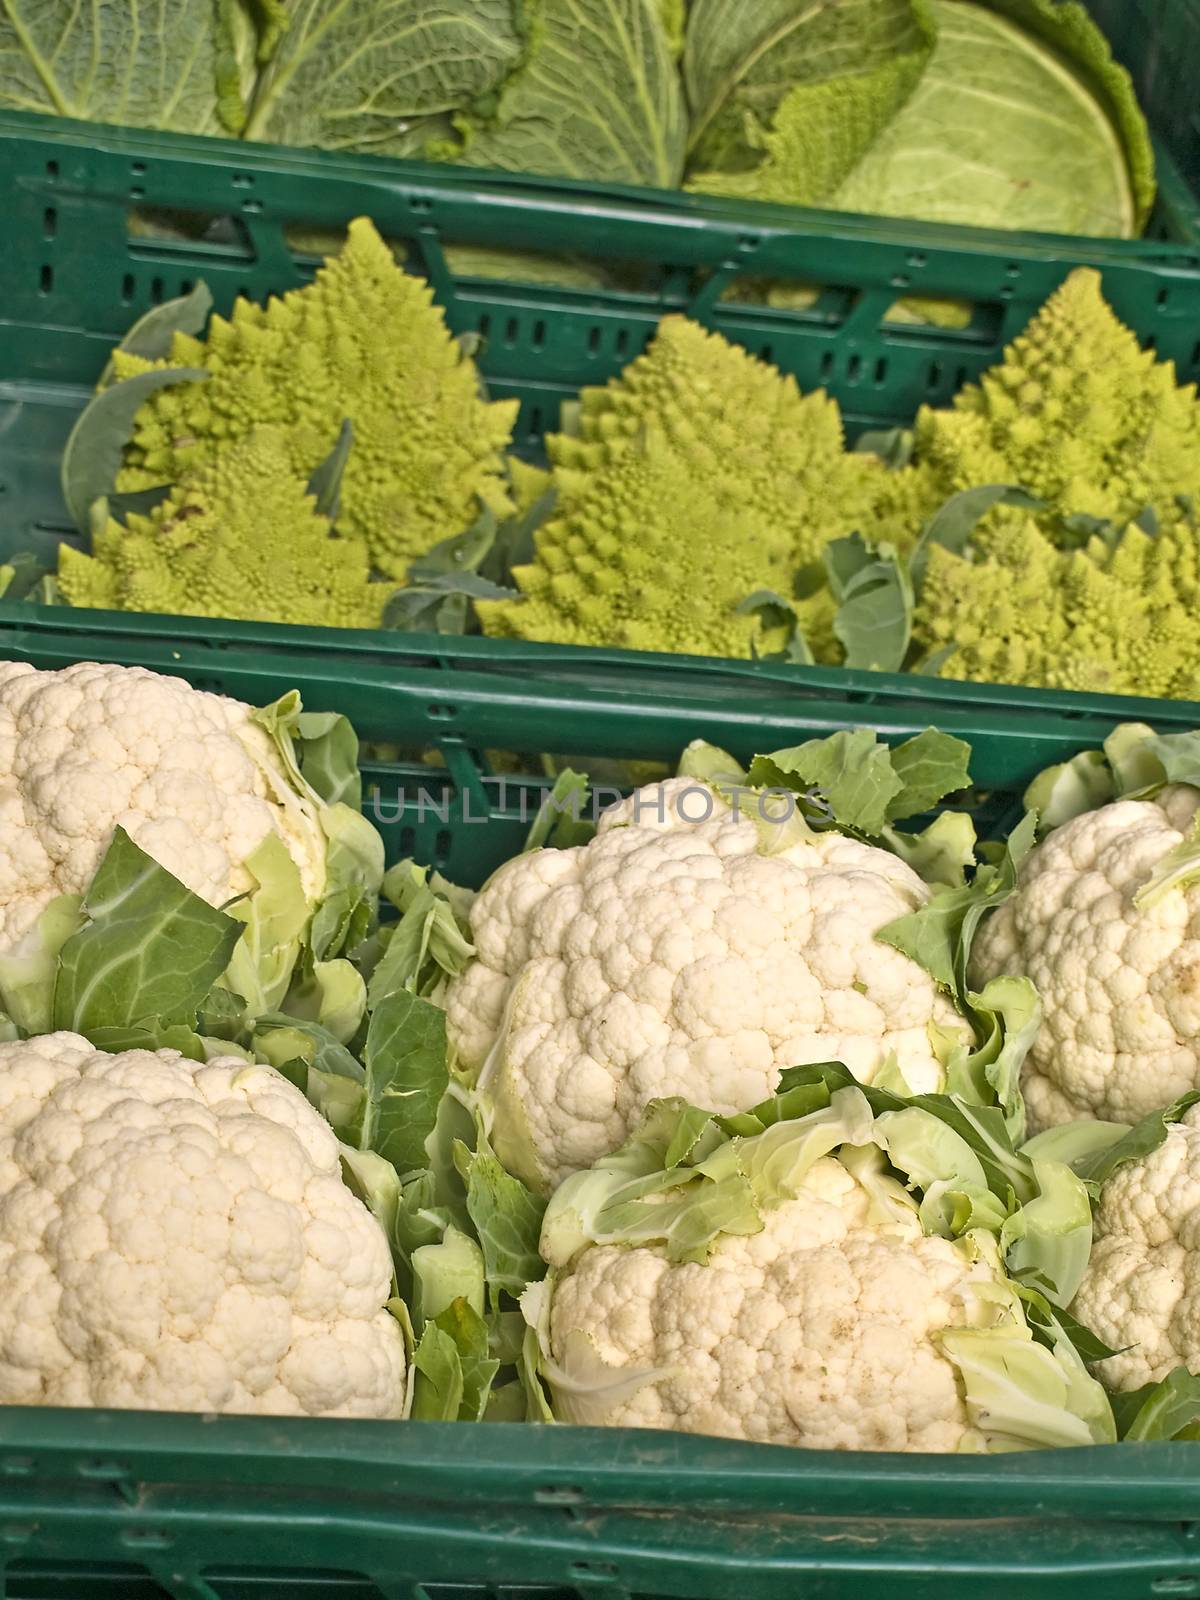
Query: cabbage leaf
<point x="1009" y="113"/>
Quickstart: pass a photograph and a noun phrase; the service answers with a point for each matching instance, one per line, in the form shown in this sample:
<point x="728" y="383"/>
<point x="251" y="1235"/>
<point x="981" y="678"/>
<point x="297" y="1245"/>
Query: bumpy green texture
<point x="1022" y="611"/>
<point x="1077" y="413"/>
<point x="697" y="478"/>
<point x="1081" y="416"/>
<point x="365" y="343"/>
<point x="239" y="537"/>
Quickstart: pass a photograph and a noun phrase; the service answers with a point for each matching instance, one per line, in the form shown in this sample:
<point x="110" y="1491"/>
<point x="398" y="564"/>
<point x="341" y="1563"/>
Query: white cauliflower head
<point x="1142" y="1285"/>
<point x="822" y="1330"/>
<point x="189" y="776"/>
<point x="671" y="956"/>
<point x="1119" y="981"/>
<point x="177" y="1236"/>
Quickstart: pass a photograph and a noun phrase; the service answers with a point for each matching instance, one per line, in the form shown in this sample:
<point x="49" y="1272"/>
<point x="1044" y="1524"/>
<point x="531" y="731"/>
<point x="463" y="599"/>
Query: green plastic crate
<point x="123" y="1506"/>
<point x="73" y="277"/>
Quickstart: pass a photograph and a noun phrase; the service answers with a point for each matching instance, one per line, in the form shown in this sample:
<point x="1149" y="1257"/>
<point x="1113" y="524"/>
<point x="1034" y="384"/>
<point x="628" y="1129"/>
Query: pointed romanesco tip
<point x="698" y="477"/>
<point x="1076" y="412"/>
<point x="241" y="538"/>
<point x="363" y="341"/>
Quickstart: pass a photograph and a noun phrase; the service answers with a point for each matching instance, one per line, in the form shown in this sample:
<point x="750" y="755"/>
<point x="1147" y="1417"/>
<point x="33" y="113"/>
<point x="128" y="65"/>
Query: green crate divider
<point x="112" y="1506"/>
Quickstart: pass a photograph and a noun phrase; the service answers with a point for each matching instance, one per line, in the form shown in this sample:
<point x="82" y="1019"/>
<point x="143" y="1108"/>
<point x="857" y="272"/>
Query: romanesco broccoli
<point x="363" y="342"/>
<point x="1019" y="610"/>
<point x="698" y="477"/>
<point x="240" y="537"/>
<point x="1077" y="413"/>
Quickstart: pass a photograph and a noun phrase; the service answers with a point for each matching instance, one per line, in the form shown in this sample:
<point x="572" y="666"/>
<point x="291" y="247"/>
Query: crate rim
<point x="1155" y="1482"/>
<point x="703" y="217"/>
<point x="24" y="627"/>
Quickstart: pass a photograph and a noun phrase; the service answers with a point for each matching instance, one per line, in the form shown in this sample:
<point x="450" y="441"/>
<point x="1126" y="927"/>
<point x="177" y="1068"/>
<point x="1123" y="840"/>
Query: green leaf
<point x="957" y="153"/>
<point x="596" y="94"/>
<point x="939" y="936"/>
<point x="930" y="766"/>
<point x="274" y="917"/>
<point x="327" y="751"/>
<point x="153" y="334"/>
<point x="957" y="520"/>
<point x="371" y="77"/>
<point x="1176" y="870"/>
<point x="149" y="949"/>
<point x="774" y="612"/>
<point x="96" y="446"/>
<point x="450" y="1270"/>
<point x="851" y="768"/>
<point x="1141" y="1140"/>
<point x="137" y="67"/>
<point x="844" y="71"/>
<point x="708" y="763"/>
<point x="405" y="1059"/>
<point x="22" y="577"/>
<point x="459" y="556"/>
<point x="561" y="820"/>
<point x="874" y="596"/>
<point x="178" y="1036"/>
<point x="325" y="484"/>
<point x="438" y="1391"/>
<point x="940" y="853"/>
<point x="893" y="446"/>
<point x="354" y="858"/>
<point x="331" y="994"/>
<point x="429" y="943"/>
<point x="507" y="1218"/>
<point x="1168" y="1409"/>
<point x="29" y="970"/>
<point x="1060" y="793"/>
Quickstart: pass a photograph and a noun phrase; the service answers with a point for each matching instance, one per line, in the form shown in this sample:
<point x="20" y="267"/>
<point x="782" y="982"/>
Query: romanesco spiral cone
<point x="363" y="342"/>
<point x="698" y="477"/>
<point x="238" y="537"/>
<point x="1077" y="413"/>
<point x="1018" y="610"/>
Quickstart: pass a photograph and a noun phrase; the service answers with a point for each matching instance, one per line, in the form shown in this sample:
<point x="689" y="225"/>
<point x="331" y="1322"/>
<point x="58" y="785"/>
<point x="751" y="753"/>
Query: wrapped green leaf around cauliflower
<point x="696" y="479"/>
<point x="207" y="787"/>
<point x="813" y="1274"/>
<point x="686" y="950"/>
<point x="1106" y="922"/>
<point x="363" y="343"/>
<point x="177" y="1236"/>
<point x="239" y="536"/>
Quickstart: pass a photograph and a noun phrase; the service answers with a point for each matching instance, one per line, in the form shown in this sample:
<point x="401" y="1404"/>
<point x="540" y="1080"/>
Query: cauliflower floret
<point x="1120" y="983"/>
<point x="669" y="956"/>
<point x="820" y="1331"/>
<point x="1142" y="1285"/>
<point x="193" y="781"/>
<point x="177" y="1236"/>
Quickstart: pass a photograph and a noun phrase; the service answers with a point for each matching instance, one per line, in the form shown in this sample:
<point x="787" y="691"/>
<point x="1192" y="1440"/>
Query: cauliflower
<point x="239" y="536"/>
<point x="784" y="1287"/>
<point x="819" y="1331"/>
<point x="1142" y="1285"/>
<point x="672" y="956"/>
<point x="177" y="1236"/>
<point x="1118" y="968"/>
<point x="191" y="777"/>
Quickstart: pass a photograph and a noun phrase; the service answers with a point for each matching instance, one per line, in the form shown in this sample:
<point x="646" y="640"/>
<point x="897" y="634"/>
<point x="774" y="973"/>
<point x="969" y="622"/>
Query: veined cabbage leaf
<point x="1006" y="113"/>
<point x="596" y="94"/>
